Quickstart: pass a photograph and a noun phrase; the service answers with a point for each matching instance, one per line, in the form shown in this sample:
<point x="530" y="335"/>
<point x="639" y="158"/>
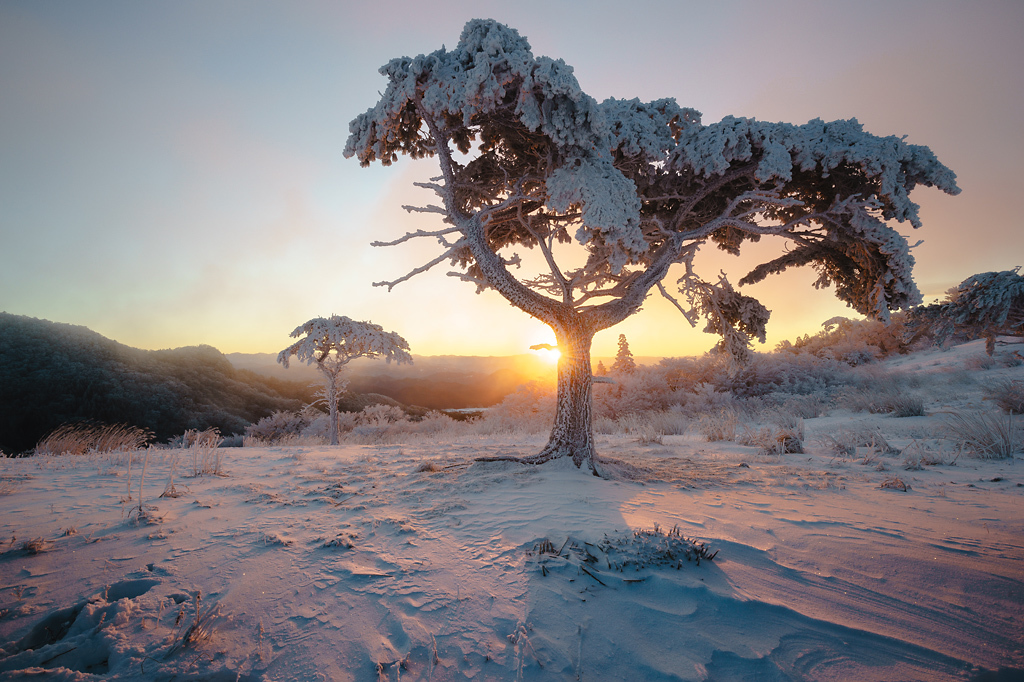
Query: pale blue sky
<point x="171" y="173"/>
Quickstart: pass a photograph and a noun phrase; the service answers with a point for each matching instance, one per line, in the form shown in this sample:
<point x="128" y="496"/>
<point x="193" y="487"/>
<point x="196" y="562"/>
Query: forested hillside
<point x="52" y="373"/>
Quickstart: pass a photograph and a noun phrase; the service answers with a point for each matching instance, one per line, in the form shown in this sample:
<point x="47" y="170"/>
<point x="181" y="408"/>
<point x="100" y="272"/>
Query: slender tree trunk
<point x="331" y="395"/>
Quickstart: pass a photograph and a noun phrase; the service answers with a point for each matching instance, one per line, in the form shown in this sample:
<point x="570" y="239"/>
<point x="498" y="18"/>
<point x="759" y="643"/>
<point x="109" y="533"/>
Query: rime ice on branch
<point x="332" y="343"/>
<point x="639" y="186"/>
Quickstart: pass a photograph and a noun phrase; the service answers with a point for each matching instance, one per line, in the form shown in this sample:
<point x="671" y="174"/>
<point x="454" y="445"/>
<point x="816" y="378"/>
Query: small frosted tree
<point x="612" y="194"/>
<point x="624" y="362"/>
<point x="988" y="305"/>
<point x="331" y="343"/>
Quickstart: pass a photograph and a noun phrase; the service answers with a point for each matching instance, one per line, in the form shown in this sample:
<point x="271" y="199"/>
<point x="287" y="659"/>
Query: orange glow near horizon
<point x="551" y="356"/>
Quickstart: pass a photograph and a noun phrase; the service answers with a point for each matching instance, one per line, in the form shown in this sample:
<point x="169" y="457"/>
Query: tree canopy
<point x="347" y="339"/>
<point x="987" y="304"/>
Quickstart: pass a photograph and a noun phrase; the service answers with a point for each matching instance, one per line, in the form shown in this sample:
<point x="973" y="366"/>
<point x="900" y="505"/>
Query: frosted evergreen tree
<point x="987" y="305"/>
<point x="331" y="343"/>
<point x="624" y="363"/>
<point x="613" y="193"/>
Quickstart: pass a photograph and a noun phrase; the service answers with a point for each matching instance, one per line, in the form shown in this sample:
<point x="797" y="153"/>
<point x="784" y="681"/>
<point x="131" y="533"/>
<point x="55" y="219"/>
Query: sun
<point x="547" y="352"/>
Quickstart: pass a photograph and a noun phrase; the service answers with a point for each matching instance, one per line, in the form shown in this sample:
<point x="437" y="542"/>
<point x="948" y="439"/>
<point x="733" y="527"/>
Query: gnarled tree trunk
<point x="572" y="434"/>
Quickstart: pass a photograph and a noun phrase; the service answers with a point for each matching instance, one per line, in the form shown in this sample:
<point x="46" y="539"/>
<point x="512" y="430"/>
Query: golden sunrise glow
<point x="286" y="223"/>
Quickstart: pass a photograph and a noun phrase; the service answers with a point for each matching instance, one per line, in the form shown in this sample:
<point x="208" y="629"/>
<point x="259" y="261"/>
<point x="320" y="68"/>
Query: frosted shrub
<point x="987" y="305"/>
<point x="685" y="375"/>
<point x="530" y="409"/>
<point x="643" y="389"/>
<point x="379" y="423"/>
<point x="705" y="398"/>
<point x="435" y="424"/>
<point x="319" y="427"/>
<point x="853" y="342"/>
<point x="787" y="373"/>
<point x="278" y="426"/>
<point x="379" y="415"/>
<point x="640" y="428"/>
<point x="671" y="422"/>
<point x="805" y="406"/>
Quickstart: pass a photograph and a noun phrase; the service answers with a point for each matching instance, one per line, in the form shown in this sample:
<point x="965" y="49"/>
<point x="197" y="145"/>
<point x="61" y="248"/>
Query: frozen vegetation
<point x="614" y="194"/>
<point x="329" y="344"/>
<point x="797" y="524"/>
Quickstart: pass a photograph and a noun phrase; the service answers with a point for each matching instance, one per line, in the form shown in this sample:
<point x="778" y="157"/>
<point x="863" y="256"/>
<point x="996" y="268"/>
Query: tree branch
<point x="430" y="208"/>
<point x="423" y="268"/>
<point x="417" y="233"/>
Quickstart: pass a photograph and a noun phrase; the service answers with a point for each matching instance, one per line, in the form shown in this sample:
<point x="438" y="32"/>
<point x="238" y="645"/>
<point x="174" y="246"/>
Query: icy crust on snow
<point x="348" y="338"/>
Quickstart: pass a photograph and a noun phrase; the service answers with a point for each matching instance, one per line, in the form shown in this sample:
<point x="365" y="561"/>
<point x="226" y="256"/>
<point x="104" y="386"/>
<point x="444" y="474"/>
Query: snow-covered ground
<point x="412" y="561"/>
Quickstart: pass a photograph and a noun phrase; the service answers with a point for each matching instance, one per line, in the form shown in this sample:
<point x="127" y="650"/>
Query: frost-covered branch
<point x="418" y="233"/>
<point x="687" y="314"/>
<point x="429" y="208"/>
<point x="447" y="255"/>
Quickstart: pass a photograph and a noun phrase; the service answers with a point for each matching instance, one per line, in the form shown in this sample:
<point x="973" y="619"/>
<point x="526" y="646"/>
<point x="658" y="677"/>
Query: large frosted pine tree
<point x="613" y="193"/>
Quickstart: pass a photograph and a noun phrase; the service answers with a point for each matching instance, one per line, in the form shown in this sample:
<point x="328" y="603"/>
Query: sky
<point x="171" y="174"/>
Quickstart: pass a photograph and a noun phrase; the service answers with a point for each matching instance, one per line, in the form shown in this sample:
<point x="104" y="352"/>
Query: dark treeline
<point x="53" y="373"/>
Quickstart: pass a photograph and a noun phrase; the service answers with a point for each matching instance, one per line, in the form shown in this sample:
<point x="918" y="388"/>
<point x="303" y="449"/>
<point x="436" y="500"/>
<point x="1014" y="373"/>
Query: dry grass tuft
<point x="35" y="546"/>
<point x="986" y="435"/>
<point x="894" y="483"/>
<point x="774" y="440"/>
<point x="203" y="448"/>
<point x="720" y="425"/>
<point x="1008" y="395"/>
<point x="427" y="467"/>
<point x="83" y="437"/>
<point x="845" y="441"/>
<point x="919" y="454"/>
<point x="896" y="403"/>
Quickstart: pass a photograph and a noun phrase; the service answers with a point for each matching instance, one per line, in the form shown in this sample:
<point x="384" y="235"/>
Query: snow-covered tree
<point x="614" y="193"/>
<point x="331" y="343"/>
<point x="987" y="305"/>
<point x="624" y="362"/>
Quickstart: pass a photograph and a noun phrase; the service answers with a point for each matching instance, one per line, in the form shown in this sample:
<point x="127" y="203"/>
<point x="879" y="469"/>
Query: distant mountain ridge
<point x="439" y="382"/>
<point x="52" y="373"/>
